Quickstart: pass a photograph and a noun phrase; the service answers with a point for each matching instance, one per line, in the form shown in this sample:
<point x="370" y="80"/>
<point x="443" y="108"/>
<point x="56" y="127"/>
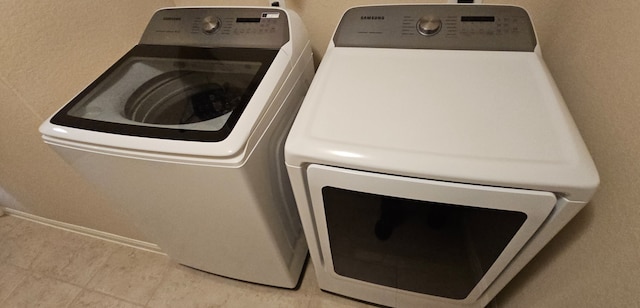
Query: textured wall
<point x="592" y="50"/>
<point x="49" y="52"/>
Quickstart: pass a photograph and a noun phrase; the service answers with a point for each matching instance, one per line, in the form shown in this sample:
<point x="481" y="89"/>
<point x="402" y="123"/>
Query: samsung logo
<point x="371" y="17"/>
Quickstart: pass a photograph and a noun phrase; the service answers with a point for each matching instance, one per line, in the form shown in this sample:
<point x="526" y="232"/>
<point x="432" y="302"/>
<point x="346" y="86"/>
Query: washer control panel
<point x="429" y="26"/>
<point x="218" y="27"/>
<point x="210" y="24"/>
<point x="452" y="27"/>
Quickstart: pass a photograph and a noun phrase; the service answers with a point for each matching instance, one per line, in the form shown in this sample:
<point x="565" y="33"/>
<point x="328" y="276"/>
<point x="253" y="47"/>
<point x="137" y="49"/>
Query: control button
<point x="210" y="25"/>
<point x="429" y="26"/>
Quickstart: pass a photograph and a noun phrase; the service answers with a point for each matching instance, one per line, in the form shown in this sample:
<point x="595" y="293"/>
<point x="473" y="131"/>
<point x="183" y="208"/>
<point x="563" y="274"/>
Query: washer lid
<point x="170" y="92"/>
<point x="486" y="117"/>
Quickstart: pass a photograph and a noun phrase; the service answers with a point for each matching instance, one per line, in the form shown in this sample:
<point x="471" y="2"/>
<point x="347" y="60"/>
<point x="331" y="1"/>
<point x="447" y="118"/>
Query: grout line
<point x="97" y="270"/>
<point x="280" y="296"/>
<point x="112" y="296"/>
<point x="162" y="280"/>
<point x="75" y="298"/>
<point x="38" y="275"/>
<point x="30" y="272"/>
<point x="15" y="287"/>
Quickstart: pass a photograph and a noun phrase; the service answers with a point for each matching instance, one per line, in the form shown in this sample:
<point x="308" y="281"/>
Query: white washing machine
<point x="433" y="156"/>
<point x="186" y="133"/>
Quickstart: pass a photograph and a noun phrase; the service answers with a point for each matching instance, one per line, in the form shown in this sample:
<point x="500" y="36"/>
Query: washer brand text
<point x="371" y="17"/>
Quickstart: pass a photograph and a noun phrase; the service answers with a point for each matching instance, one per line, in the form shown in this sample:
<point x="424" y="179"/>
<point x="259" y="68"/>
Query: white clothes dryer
<point x="186" y="133"/>
<point x="433" y="155"/>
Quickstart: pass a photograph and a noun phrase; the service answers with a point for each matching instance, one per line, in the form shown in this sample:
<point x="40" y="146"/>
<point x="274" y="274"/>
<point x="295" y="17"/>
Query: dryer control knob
<point x="429" y="26"/>
<point x="210" y="24"/>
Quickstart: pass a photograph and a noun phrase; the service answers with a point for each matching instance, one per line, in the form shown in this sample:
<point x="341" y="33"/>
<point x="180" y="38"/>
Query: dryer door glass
<point x="432" y="238"/>
<point x="421" y="246"/>
<point x="171" y="92"/>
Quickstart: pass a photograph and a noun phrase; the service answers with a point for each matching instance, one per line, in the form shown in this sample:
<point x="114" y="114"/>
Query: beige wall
<point x="592" y="49"/>
<point x="49" y="52"/>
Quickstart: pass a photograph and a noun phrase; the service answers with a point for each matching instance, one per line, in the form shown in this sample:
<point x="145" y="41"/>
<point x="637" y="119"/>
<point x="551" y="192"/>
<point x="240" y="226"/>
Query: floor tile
<point x="263" y="296"/>
<point x="309" y="282"/>
<point x="10" y="277"/>
<point x="91" y="299"/>
<point x="130" y="274"/>
<point x="7" y="223"/>
<point x="72" y="257"/>
<point x="24" y="242"/>
<point x="322" y="299"/>
<point x="187" y="287"/>
<point x="327" y="300"/>
<point x="40" y="291"/>
<point x="41" y="266"/>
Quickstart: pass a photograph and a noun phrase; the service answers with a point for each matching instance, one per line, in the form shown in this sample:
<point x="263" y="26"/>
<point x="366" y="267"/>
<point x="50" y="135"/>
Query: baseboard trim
<point x="85" y="231"/>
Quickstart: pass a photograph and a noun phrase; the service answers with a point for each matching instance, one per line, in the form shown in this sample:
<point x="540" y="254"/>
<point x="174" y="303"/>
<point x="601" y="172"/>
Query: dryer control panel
<point x="451" y="27"/>
<point x="218" y="27"/>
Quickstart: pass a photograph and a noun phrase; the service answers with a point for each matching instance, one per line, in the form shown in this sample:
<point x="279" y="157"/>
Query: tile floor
<point x="42" y="266"/>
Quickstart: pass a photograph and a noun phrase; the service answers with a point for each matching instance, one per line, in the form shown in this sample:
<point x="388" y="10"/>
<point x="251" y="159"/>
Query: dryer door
<point x="170" y="92"/>
<point x="435" y="239"/>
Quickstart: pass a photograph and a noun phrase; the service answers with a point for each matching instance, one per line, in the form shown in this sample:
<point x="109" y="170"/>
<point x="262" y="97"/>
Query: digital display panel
<point x="477" y="19"/>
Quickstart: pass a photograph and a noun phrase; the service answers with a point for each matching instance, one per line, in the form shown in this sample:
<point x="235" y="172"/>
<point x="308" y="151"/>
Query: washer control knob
<point x="210" y="25"/>
<point x="429" y="26"/>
